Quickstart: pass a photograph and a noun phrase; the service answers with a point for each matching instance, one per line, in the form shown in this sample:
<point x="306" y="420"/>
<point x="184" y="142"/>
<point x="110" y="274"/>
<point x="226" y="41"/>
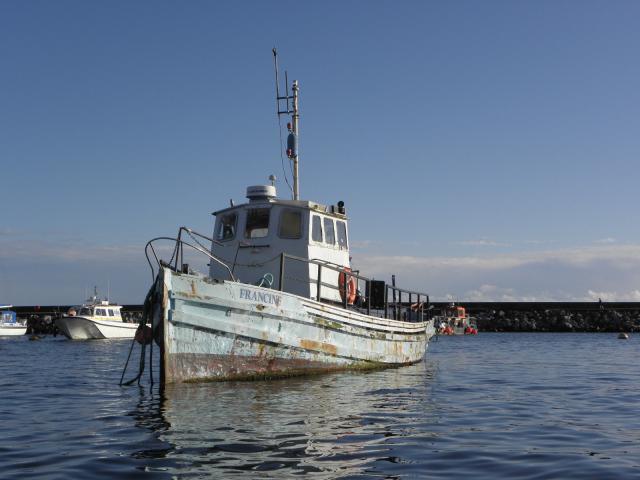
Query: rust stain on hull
<point x="319" y="346"/>
<point x="224" y="367"/>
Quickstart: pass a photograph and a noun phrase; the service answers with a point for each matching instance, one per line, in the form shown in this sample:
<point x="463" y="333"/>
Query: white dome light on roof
<point x="256" y="193"/>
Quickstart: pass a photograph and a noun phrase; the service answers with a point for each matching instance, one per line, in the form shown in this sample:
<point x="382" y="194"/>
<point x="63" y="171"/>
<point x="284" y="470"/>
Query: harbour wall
<point x="553" y="316"/>
<point x="489" y="316"/>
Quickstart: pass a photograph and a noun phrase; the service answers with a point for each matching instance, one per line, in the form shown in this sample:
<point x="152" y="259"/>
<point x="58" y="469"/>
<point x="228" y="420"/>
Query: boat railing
<point x="176" y="262"/>
<point x="398" y="303"/>
<point x="394" y="302"/>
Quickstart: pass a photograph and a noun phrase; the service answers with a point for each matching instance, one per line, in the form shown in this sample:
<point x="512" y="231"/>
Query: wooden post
<point x="282" y="272"/>
<point x="319" y="283"/>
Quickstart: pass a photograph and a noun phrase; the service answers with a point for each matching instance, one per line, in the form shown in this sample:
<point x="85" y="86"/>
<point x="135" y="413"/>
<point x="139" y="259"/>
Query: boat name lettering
<point x="263" y="297"/>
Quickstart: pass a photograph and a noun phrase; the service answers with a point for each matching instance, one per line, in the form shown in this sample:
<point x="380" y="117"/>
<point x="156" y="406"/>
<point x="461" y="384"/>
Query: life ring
<point x="417" y="306"/>
<point x="351" y="282"/>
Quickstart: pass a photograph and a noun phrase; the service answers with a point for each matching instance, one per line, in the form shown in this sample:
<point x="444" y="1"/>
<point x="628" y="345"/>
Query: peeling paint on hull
<point x="224" y="367"/>
<point x="229" y="330"/>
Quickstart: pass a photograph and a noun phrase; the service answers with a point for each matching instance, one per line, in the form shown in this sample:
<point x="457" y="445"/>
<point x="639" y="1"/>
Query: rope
<point x="267" y="279"/>
<point x="147" y="314"/>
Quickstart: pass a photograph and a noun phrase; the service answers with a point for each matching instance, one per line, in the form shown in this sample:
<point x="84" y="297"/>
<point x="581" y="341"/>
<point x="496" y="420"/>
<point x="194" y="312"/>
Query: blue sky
<point x="484" y="150"/>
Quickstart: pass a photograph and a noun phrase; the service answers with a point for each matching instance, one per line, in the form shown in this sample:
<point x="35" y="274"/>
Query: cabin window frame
<point x="329" y="221"/>
<point x="221" y="225"/>
<point x="314" y="230"/>
<point x="297" y="212"/>
<point x="341" y="231"/>
<point x="249" y="217"/>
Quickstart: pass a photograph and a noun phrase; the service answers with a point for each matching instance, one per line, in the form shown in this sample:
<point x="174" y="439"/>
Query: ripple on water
<point x="492" y="406"/>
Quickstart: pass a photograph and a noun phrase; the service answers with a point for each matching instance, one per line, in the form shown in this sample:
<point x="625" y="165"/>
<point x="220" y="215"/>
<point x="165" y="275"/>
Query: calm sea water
<point x="492" y="406"/>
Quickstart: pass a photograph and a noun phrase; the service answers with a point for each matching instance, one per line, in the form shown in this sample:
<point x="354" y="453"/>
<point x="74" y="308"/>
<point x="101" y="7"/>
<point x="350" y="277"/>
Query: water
<point x="493" y="406"/>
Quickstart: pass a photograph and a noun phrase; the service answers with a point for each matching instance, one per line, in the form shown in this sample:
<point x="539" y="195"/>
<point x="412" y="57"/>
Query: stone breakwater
<point x="490" y="317"/>
<point x="553" y="316"/>
<point x="560" y="320"/>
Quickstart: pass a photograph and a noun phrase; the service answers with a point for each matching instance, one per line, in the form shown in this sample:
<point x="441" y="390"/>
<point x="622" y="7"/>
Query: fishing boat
<point x="455" y="321"/>
<point x="9" y="324"/>
<point x="280" y="297"/>
<point x="95" y="319"/>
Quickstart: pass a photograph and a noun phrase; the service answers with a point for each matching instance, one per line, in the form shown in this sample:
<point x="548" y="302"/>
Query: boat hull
<point x="12" y="330"/>
<point x="81" y="328"/>
<point x="222" y="330"/>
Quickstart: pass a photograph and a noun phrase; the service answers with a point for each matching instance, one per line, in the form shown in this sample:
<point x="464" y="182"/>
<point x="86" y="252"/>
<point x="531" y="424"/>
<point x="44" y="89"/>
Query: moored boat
<point x="456" y="321"/>
<point x="95" y="319"/>
<point x="281" y="297"/>
<point x="10" y="326"/>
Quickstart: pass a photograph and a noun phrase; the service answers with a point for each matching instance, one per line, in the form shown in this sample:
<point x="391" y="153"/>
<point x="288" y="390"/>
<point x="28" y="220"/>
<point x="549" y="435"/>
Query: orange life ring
<point x="351" y="282"/>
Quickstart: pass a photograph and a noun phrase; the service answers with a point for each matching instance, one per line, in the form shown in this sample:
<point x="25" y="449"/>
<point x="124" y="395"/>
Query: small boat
<point x="95" y="319"/>
<point x="623" y="336"/>
<point x="455" y="321"/>
<point x="9" y="324"/>
<point x="281" y="296"/>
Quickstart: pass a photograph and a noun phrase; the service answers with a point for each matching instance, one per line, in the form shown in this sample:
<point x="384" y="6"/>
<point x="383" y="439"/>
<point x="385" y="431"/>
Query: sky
<point x="485" y="151"/>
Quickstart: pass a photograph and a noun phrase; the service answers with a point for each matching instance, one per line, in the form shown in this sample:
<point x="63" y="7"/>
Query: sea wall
<point x="490" y="317"/>
<point x="558" y="320"/>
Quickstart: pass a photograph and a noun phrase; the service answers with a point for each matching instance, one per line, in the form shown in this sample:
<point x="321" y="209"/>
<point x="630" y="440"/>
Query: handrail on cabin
<point x="418" y="306"/>
<point x="177" y="258"/>
<point x="178" y="251"/>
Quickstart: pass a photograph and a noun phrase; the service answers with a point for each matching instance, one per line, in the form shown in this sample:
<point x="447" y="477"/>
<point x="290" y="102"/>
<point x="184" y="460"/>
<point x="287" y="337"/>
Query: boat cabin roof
<point x="332" y="210"/>
<point x="456" y="311"/>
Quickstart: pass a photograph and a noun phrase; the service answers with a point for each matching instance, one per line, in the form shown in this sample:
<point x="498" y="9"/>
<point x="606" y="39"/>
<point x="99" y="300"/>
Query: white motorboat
<point x="280" y="297"/>
<point x="10" y="326"/>
<point x="96" y="319"/>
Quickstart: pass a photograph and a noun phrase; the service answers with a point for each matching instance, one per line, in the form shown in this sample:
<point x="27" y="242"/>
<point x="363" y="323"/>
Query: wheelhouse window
<point x="342" y="234"/>
<point x="257" y="223"/>
<point x="227" y="227"/>
<point x="316" y="228"/>
<point x="86" y="311"/>
<point x="329" y="231"/>
<point x="110" y="312"/>
<point x="290" y="224"/>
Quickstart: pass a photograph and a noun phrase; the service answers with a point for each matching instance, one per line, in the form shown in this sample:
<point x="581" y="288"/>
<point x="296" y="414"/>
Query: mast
<point x="292" y="139"/>
<point x="294" y="131"/>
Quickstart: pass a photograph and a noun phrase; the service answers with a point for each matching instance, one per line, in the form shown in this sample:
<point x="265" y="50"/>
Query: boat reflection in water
<point x="334" y="424"/>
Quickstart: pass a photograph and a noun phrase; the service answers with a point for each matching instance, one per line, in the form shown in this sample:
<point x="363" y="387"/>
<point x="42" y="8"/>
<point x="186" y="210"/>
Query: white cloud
<point x="549" y="275"/>
<point x="632" y="296"/>
<point x="538" y="242"/>
<point x="483" y="242"/>
<point x="361" y="244"/>
<point x="493" y="293"/>
<point x="606" y="240"/>
<point x="609" y="271"/>
<point x="624" y="255"/>
<point x="8" y="231"/>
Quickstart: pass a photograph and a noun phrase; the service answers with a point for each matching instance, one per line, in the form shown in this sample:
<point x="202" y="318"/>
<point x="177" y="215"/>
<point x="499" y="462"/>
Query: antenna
<point x="290" y="109"/>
